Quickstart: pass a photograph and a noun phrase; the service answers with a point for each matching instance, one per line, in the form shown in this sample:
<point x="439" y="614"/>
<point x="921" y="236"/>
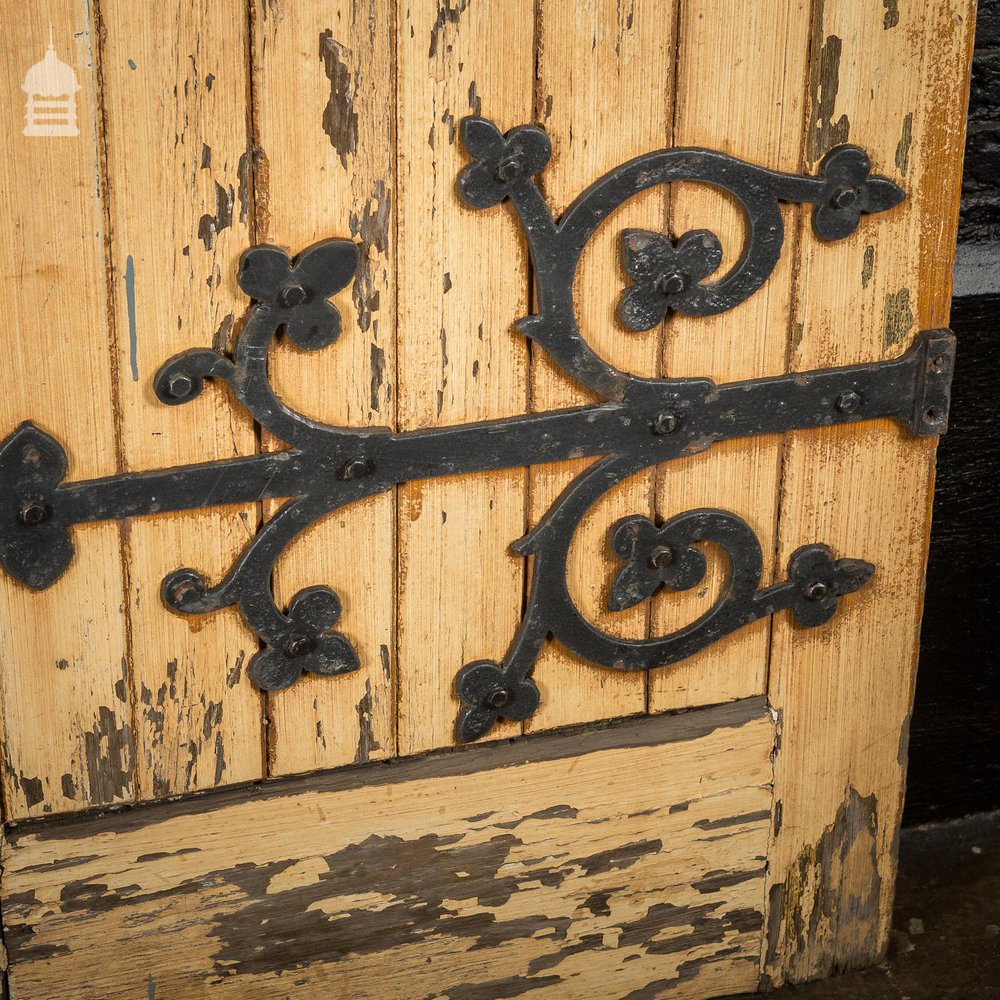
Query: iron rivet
<point x="509" y="169"/>
<point x="182" y="591"/>
<point x="31" y="455"/>
<point x="931" y="414"/>
<point x="848" y="402"/>
<point x="661" y="557"/>
<point x="671" y="284"/>
<point x="666" y="422"/>
<point x="938" y="363"/>
<point x="844" y="198"/>
<point x="498" y="697"/>
<point x="292" y="295"/>
<point x="32" y="512"/>
<point x="299" y="645"/>
<point x="816" y="590"/>
<point x="180" y="385"/>
<point x="355" y="468"/>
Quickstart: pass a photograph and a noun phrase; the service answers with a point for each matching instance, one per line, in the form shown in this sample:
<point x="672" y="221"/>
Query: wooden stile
<point x="844" y="692"/>
<point x="750" y="341"/>
<point x="324" y="159"/>
<point x="68" y="739"/>
<point x="593" y="59"/>
<point x="178" y="214"/>
<point x="462" y="283"/>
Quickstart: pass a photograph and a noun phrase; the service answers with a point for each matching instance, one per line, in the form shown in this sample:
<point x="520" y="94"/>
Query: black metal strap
<point x="643" y="422"/>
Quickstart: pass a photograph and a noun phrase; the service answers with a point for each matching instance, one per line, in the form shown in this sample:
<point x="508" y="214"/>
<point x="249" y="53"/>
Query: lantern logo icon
<point x="51" y="87"/>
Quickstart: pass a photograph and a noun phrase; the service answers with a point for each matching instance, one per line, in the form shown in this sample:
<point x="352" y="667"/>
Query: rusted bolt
<point x="661" y="557"/>
<point x="848" y="402"/>
<point x="180" y="385"/>
<point x="816" y="590"/>
<point x="671" y="284"/>
<point x="666" y="422"/>
<point x="299" y="644"/>
<point x="291" y="296"/>
<point x="355" y="468"/>
<point x="32" y="512"/>
<point x="498" y="697"/>
<point x="510" y="168"/>
<point x="844" y="197"/>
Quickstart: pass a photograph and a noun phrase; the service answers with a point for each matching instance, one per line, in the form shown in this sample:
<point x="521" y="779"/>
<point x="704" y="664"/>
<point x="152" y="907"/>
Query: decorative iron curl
<point x="667" y="276"/>
<point x="641" y="422"/>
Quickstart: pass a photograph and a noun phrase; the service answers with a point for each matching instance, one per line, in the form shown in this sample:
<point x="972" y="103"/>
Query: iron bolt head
<point x="291" y="296"/>
<point x="661" y="557"/>
<point x="182" y="591"/>
<point x="498" y="697"/>
<point x="299" y="645"/>
<point x="32" y="512"/>
<point x="848" y="402"/>
<point x="816" y="590"/>
<point x="844" y="197"/>
<point x="180" y="385"/>
<point x="355" y="468"/>
<point x="666" y="422"/>
<point x="510" y="168"/>
<point x="671" y="284"/>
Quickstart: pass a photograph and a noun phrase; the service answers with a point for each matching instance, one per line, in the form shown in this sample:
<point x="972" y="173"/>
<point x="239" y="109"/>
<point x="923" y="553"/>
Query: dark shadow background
<point x="955" y="731"/>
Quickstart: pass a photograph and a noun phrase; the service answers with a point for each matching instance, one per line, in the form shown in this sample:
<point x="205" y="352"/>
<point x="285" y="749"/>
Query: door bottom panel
<point x="625" y="861"/>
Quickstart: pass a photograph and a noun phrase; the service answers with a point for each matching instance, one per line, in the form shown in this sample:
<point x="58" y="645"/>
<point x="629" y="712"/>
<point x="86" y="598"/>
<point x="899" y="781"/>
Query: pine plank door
<point x="208" y="798"/>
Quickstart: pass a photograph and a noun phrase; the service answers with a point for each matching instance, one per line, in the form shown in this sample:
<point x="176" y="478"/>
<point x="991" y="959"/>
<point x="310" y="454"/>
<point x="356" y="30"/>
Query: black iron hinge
<point x="640" y="423"/>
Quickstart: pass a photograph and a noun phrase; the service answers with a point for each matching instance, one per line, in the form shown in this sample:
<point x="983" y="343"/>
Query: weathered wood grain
<point x="751" y="105"/>
<point x="323" y="126"/>
<point x="462" y="283"/>
<point x="594" y="59"/>
<point x="68" y="737"/>
<point x="622" y="862"/>
<point x="844" y="692"/>
<point x="174" y="90"/>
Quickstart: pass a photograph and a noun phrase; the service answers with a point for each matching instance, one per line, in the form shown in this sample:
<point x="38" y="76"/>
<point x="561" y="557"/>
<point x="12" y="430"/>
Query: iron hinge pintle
<point x="639" y="423"/>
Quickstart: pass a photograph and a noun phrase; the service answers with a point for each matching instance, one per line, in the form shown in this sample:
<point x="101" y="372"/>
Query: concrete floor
<point x="945" y="942"/>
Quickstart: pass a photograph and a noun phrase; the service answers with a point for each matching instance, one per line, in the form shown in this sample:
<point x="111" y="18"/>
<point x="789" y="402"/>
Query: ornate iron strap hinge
<point x="642" y="422"/>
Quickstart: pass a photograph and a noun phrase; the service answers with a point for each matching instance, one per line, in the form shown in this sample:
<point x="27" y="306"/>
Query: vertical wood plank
<point x="605" y="95"/>
<point x="175" y="84"/>
<point x="68" y="739"/>
<point x="462" y="284"/>
<point x="898" y="87"/>
<point x="323" y="119"/>
<point x="741" y="88"/>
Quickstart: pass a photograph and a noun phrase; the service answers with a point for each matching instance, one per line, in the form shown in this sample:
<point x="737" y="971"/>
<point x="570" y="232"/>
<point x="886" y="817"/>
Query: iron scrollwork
<point x="640" y="422"/>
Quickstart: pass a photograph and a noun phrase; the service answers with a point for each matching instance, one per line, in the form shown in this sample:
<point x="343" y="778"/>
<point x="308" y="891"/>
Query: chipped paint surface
<point x="449" y="13"/>
<point x="340" y="120"/>
<point x="133" y="339"/>
<point x="826" y="130"/>
<point x="830" y="899"/>
<point x="897" y="318"/>
<point x="903" y="146"/>
<point x="580" y="870"/>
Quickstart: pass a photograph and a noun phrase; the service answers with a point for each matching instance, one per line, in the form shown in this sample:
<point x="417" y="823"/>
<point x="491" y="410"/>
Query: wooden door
<point x="711" y="826"/>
